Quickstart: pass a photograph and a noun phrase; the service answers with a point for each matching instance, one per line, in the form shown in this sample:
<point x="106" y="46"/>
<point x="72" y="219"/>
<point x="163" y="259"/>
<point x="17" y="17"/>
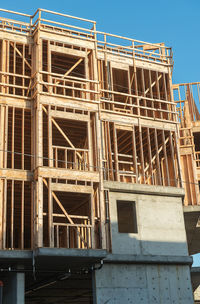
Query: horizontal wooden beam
<point x="71" y="188"/>
<point x="69" y="115"/>
<point x="67" y="51"/>
<point x="16" y="174"/>
<point x="67" y="174"/>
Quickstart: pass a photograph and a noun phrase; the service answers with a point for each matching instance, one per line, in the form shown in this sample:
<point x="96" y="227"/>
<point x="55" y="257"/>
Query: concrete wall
<point x="195" y="276"/>
<point x="143" y="284"/>
<point x="151" y="266"/>
<point x="160" y="222"/>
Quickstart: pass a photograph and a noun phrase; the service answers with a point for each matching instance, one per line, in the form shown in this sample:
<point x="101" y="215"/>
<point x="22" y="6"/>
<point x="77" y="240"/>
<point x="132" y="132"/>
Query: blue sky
<point x="174" y="22"/>
<point x="196" y="260"/>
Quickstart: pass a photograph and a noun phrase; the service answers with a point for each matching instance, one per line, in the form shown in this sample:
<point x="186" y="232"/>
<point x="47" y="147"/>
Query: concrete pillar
<point x="13" y="290"/>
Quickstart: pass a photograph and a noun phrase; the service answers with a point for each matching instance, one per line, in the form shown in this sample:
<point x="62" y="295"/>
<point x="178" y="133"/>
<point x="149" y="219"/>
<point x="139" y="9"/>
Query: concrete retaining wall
<point x="143" y="284"/>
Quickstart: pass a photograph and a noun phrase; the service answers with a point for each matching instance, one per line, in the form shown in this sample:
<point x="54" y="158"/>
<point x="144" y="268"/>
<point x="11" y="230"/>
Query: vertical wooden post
<point x="117" y="176"/>
<point x="7" y="65"/>
<point x="91" y="163"/>
<point x="93" y="245"/>
<point x="171" y="97"/>
<point x="22" y="142"/>
<point x="5" y="146"/>
<point x="150" y="156"/>
<point x="172" y="158"/>
<point x="50" y="216"/>
<point x="49" y="66"/>
<point x="134" y="154"/>
<point x="151" y="93"/>
<point x="143" y="91"/>
<point x="158" y="95"/>
<point x="2" y="205"/>
<point x="4" y="213"/>
<point x="50" y="150"/>
<point x="39" y="212"/>
<point x="22" y="215"/>
<point x="178" y="157"/>
<point x="166" y="97"/>
<point x="13" y="139"/>
<point x="141" y="155"/>
<point x="87" y="75"/>
<point x="101" y="187"/>
<point x="157" y="157"/>
<point x="2" y="202"/>
<point x="14" y="66"/>
<point x="110" y="158"/>
<point x="166" y="178"/>
<point x="38" y="131"/>
<point x="12" y="214"/>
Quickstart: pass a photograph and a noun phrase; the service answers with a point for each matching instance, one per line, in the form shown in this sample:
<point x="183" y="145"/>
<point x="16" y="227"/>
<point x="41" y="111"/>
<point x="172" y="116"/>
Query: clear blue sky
<point x="174" y="22"/>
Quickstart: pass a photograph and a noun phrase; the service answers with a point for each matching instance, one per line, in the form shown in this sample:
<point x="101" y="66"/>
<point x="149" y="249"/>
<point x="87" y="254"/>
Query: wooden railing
<point x="186" y="138"/>
<point x="197" y="158"/>
<point x="104" y="42"/>
<point x="138" y="105"/>
<point x="72" y="235"/>
<point x="75" y="87"/>
<point x="187" y="95"/>
<point x="132" y="48"/>
<point x="14" y="26"/>
<point x="125" y="166"/>
<point x="15" y="84"/>
<point x="38" y="19"/>
<point x="70" y="158"/>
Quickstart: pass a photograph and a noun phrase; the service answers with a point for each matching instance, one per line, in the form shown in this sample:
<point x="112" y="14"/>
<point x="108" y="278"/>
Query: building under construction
<point x="94" y="159"/>
<point x="187" y="97"/>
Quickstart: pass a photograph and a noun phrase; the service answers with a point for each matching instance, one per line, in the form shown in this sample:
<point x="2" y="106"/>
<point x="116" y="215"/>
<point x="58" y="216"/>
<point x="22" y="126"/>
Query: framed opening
<point x="127" y="219"/>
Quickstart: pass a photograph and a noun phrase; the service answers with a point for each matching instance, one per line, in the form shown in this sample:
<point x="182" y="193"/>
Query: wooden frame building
<point x="90" y="165"/>
<point x="78" y="107"/>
